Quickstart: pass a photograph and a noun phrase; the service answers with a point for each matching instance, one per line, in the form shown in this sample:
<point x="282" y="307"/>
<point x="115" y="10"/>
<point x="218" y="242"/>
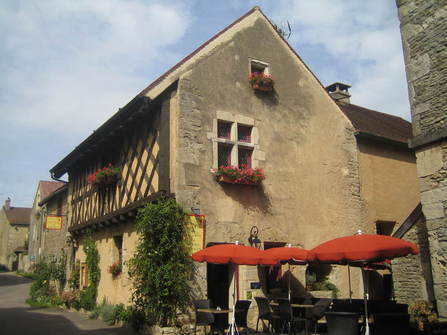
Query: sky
<point x="67" y="66"/>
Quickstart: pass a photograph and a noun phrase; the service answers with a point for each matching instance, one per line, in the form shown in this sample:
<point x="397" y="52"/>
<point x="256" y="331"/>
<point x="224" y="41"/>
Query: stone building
<point x="203" y="113"/>
<point x="14" y="225"/>
<point x="387" y="166"/>
<point x="424" y="32"/>
<point x="46" y="190"/>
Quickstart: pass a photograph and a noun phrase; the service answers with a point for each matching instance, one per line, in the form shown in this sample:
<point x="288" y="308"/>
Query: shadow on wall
<point x="280" y="288"/>
<point x="252" y="197"/>
<point x="269" y="98"/>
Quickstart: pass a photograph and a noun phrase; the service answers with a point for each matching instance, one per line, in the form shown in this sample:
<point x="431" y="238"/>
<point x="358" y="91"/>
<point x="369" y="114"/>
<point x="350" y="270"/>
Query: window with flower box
<point x="236" y="150"/>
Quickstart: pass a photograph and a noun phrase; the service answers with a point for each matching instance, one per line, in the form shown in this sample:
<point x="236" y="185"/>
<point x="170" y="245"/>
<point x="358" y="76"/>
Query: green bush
<point x="107" y="314"/>
<point x="122" y="313"/>
<point x="87" y="298"/>
<point x="325" y="285"/>
<point x="161" y="266"/>
<point x="47" y="270"/>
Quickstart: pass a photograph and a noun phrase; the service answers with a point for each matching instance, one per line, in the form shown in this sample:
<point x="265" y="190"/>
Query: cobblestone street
<point x="18" y="318"/>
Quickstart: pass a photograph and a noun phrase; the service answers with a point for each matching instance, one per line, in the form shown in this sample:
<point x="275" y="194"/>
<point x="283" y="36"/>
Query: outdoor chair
<point x="391" y="323"/>
<point x="241" y="312"/>
<point x="264" y="312"/>
<point x="288" y="319"/>
<point x="203" y="318"/>
<point x="317" y="312"/>
<point x="343" y="323"/>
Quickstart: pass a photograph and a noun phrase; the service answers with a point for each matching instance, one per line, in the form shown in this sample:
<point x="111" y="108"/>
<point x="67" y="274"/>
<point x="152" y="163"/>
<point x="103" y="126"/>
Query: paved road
<point x="17" y="318"/>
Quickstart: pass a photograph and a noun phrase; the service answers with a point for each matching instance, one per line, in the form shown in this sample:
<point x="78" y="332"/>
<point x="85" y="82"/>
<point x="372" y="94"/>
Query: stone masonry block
<point x="433" y="210"/>
<point x="435" y="195"/>
<point x="429" y="161"/>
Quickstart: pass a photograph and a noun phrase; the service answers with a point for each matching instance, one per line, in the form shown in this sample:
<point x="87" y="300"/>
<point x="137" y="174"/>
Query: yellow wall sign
<point x="197" y="225"/>
<point x="53" y="222"/>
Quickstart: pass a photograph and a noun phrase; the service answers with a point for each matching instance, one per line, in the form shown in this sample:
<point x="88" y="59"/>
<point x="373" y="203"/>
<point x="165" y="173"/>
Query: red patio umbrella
<point x="233" y="254"/>
<point x="363" y="249"/>
<point x="291" y="255"/>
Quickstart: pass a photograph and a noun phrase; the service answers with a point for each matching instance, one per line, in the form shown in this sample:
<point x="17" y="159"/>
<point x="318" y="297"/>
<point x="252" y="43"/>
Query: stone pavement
<point x="18" y="318"/>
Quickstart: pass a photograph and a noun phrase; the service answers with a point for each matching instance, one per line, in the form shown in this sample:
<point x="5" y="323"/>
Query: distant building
<point x="50" y="199"/>
<point x="14" y="226"/>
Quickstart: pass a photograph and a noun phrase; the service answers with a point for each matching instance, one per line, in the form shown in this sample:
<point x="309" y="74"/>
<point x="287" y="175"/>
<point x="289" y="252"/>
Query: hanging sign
<point x="53" y="222"/>
<point x="197" y="225"/>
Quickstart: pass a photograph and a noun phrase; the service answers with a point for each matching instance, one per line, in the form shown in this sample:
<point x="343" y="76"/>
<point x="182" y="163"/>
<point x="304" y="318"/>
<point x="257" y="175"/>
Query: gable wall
<point x="389" y="181"/>
<point x="307" y="149"/>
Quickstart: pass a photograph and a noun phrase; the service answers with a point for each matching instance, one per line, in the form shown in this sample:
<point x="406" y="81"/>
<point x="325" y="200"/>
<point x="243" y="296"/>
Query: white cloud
<point x="362" y="39"/>
<point x="72" y="64"/>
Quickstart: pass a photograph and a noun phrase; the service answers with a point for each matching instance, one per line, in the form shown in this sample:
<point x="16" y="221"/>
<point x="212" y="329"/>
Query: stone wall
<point x="412" y="276"/>
<point x="35" y="227"/>
<point x="54" y="241"/>
<point x="4" y="233"/>
<point x="424" y="32"/>
<point x="303" y="141"/>
<point x="114" y="290"/>
<point x="18" y="235"/>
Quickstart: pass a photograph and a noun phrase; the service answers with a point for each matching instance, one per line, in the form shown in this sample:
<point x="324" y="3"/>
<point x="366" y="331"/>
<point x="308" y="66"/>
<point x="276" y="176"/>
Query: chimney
<point x="339" y="92"/>
<point x="7" y="205"/>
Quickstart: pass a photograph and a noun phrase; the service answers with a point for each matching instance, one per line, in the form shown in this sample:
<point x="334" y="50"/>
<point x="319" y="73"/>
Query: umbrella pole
<point x="393" y="296"/>
<point x="289" y="281"/>
<point x="232" y="327"/>
<point x="365" y="299"/>
<point x="349" y="281"/>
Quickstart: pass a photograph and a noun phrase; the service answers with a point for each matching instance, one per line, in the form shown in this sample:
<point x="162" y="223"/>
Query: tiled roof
<point x="378" y="124"/>
<point x="47" y="187"/>
<point x="18" y="215"/>
<point x="60" y="190"/>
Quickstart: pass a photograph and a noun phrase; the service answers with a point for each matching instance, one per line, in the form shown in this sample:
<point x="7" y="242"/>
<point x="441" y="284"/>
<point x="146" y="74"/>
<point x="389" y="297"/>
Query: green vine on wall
<point x="88" y="295"/>
<point x="161" y="266"/>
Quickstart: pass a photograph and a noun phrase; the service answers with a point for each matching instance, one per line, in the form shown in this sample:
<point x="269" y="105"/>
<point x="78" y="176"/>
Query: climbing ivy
<point x="89" y="294"/>
<point x="161" y="266"/>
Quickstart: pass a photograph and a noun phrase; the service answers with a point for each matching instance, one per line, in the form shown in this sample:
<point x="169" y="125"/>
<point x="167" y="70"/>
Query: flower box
<point x="115" y="269"/>
<point x="106" y="176"/>
<point x="261" y="82"/>
<point x="239" y="175"/>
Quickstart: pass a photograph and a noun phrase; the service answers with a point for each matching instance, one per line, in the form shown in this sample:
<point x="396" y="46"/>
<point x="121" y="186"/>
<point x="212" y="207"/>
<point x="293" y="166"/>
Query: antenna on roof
<point x="285" y="30"/>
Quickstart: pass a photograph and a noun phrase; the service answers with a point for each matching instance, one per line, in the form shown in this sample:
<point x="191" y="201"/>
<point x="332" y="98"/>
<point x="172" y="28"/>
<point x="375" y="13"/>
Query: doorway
<point x="218" y="285"/>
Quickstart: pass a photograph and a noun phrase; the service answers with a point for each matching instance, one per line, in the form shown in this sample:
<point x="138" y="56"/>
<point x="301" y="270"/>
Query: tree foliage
<point x="161" y="266"/>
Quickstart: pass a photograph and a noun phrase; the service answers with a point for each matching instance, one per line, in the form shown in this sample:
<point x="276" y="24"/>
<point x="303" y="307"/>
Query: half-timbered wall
<point x="136" y="151"/>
